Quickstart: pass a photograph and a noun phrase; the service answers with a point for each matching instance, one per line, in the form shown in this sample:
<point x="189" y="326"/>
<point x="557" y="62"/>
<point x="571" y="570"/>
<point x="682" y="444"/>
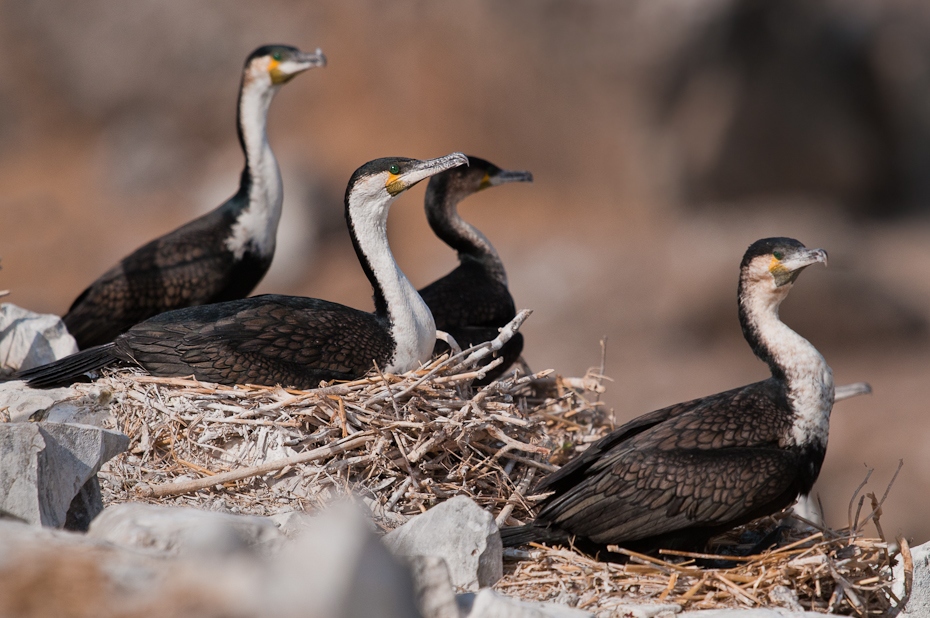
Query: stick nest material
<point x="403" y="443"/>
<point x="840" y="572"/>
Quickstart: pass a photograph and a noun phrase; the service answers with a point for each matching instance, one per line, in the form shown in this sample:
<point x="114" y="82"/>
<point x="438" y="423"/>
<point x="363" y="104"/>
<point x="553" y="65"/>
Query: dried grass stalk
<point x="817" y="569"/>
<point x="401" y="442"/>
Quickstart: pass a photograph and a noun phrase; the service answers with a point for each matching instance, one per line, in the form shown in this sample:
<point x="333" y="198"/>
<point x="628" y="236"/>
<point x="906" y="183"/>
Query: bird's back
<point x="468" y="296"/>
<point x="189" y="266"/>
<point x="270" y="339"/>
<point x="684" y="471"/>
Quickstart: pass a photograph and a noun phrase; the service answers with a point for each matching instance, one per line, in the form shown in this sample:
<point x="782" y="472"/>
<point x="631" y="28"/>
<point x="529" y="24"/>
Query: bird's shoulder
<point x="654" y="492"/>
<point x="713" y="422"/>
<point x="468" y="296"/>
<point x="301" y="334"/>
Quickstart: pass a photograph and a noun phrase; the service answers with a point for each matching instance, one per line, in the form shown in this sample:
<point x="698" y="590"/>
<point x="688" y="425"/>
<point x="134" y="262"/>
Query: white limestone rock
<point x="43" y="466"/>
<point x="86" y="404"/>
<point x="173" y="530"/>
<point x="433" y="587"/>
<point x="29" y="339"/>
<point x="460" y="532"/>
<point x="293" y="523"/>
<point x="491" y="604"/>
<point x="339" y="567"/>
<point x="646" y="610"/>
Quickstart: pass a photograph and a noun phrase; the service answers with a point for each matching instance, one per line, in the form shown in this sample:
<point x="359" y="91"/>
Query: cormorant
<point x="288" y="340"/>
<point x="219" y="256"/>
<point x="472" y="302"/>
<point x="676" y="477"/>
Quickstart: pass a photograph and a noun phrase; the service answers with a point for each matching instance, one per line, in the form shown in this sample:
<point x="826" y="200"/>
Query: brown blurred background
<point x="664" y="136"/>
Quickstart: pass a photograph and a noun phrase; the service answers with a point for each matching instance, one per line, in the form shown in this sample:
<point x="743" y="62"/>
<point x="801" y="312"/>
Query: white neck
<point x="257" y="225"/>
<point x="411" y="322"/>
<point x="809" y="378"/>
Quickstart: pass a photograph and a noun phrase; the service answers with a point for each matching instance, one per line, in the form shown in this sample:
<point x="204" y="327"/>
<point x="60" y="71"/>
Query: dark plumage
<point x="680" y="475"/>
<point x="223" y="254"/>
<point x="472" y="302"/>
<point x="288" y="340"/>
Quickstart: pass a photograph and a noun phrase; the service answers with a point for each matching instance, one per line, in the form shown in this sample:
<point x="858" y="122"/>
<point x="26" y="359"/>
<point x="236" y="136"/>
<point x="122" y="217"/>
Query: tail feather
<point x="65" y="371"/>
<point x="530" y="533"/>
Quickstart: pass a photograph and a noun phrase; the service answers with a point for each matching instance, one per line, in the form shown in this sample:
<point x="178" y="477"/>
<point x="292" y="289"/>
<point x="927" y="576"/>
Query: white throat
<point x="809" y="378"/>
<point x="411" y="322"/>
<point x="257" y="225"/>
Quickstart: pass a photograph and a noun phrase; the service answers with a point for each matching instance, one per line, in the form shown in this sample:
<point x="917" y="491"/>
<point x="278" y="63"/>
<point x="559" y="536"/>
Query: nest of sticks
<point x="814" y="568"/>
<point x="403" y="443"/>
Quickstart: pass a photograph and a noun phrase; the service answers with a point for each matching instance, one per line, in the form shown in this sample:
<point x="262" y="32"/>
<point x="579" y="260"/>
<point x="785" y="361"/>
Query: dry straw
<point x="403" y="443"/>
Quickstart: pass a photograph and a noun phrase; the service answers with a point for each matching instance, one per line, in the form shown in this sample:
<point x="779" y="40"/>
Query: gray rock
<point x="918" y="603"/>
<point x="785" y="597"/>
<point x="85" y="404"/>
<point x="491" y="604"/>
<point x="460" y="532"/>
<point x="336" y="568"/>
<point x="433" y="587"/>
<point x="339" y="567"/>
<point x="293" y="523"/>
<point x="86" y="505"/>
<point x="171" y="530"/>
<point x="62" y="554"/>
<point x="29" y="339"/>
<point x="43" y="466"/>
<point x="19" y="402"/>
<point x="646" y="610"/>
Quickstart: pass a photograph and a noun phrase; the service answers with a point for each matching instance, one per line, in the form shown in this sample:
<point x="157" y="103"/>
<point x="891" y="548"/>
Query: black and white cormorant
<point x="223" y="254"/>
<point x="472" y="302"/>
<point x="288" y="340"/>
<point x="675" y="477"/>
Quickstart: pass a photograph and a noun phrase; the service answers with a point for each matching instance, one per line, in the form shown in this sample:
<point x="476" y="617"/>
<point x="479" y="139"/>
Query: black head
<point x="460" y="182"/>
<point x="394" y="175"/>
<point x="282" y="62"/>
<point x="782" y="259"/>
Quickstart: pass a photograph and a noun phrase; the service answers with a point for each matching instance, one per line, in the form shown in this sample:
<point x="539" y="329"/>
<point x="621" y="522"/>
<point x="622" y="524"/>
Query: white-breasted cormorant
<point x="217" y="257"/>
<point x="288" y="340"/>
<point x="676" y="477"/>
<point x="472" y="302"/>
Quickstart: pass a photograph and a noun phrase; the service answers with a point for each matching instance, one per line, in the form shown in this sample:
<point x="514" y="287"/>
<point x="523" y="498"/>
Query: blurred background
<point x="664" y="137"/>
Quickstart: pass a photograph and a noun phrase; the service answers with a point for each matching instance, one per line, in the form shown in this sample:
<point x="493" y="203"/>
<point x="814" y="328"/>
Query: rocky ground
<point x="130" y="550"/>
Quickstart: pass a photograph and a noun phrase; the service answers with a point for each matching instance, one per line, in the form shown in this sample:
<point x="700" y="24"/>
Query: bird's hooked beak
<point x="505" y="176"/>
<point x="295" y="64"/>
<point x="787" y="270"/>
<point x="423" y="169"/>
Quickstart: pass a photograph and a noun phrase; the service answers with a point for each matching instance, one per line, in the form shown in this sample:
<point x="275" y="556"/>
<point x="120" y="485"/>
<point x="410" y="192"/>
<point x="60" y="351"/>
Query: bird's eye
<point x="277" y="56"/>
<point x="394" y="169"/>
<point x="778" y="255"/>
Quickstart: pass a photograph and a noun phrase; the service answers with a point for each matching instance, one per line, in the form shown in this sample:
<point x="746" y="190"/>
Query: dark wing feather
<point x="468" y="296"/>
<point x="471" y="306"/>
<point x="713" y="422"/>
<point x="269" y="340"/>
<point x="189" y="266"/>
<point x="68" y="369"/>
<point x="650" y="493"/>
